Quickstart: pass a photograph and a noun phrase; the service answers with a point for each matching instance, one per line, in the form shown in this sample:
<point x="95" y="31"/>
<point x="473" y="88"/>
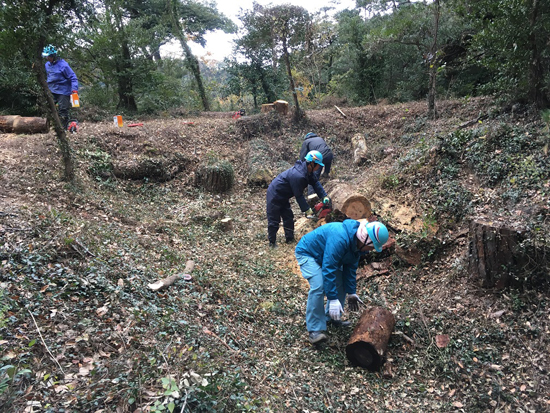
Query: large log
<point x="19" y="124"/>
<point x="369" y="341"/>
<point x="359" y="147"/>
<point x="494" y="253"/>
<point x="347" y="200"/>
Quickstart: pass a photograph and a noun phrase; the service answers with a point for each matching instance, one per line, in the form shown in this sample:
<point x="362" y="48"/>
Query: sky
<point x="219" y="44"/>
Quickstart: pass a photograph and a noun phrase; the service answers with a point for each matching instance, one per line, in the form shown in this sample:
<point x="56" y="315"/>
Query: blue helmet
<point x="378" y="233"/>
<point x="49" y="50"/>
<point x="309" y="135"/>
<point x="315" y="156"/>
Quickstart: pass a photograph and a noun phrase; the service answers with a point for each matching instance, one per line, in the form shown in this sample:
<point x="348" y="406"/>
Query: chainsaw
<point x="320" y="211"/>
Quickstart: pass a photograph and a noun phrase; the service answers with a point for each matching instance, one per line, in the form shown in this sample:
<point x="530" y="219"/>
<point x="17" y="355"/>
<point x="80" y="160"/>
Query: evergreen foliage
<point x="380" y="50"/>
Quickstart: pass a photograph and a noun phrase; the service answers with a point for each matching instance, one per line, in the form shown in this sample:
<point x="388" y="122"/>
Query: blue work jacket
<point x="334" y="246"/>
<point x="292" y="183"/>
<point x="61" y="78"/>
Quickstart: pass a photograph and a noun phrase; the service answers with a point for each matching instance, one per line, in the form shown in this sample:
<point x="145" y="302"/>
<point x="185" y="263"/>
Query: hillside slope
<point x="80" y="331"/>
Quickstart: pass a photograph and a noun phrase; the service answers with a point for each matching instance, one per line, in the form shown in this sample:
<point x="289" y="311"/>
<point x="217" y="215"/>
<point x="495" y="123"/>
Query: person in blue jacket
<point x="62" y="81"/>
<point x="328" y="258"/>
<point x="288" y="184"/>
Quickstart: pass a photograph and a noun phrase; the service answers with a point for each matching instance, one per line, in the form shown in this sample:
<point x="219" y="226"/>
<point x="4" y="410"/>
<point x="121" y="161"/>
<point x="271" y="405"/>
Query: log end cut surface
<point x="357" y="207"/>
<point x="364" y="355"/>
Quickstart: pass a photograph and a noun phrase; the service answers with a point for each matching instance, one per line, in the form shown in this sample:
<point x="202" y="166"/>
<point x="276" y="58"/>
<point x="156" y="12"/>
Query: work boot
<point x="317" y="337"/>
<point x="272" y="245"/>
<point x="290" y="240"/>
<point x="339" y="323"/>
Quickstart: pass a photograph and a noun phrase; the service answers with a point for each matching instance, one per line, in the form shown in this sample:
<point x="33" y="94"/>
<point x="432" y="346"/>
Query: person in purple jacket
<point x="62" y="81"/>
<point x="288" y="184"/>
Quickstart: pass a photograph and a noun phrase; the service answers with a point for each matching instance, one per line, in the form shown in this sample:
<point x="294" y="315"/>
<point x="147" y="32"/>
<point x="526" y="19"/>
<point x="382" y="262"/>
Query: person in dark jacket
<point x="328" y="258"/>
<point x="288" y="184"/>
<point x="62" y="81"/>
<point x="312" y="142"/>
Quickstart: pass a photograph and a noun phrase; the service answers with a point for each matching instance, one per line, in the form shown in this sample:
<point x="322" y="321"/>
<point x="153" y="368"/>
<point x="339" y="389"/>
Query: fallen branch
<point x="168" y="281"/>
<point x="44" y="343"/>
<point x="339" y="110"/>
<point x="406" y="337"/>
<point x="84" y="247"/>
<point x="210" y="333"/>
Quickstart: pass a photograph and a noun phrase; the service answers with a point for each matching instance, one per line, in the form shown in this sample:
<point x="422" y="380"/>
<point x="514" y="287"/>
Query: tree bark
<point x="19" y="124"/>
<point x="369" y="341"/>
<point x="298" y="112"/>
<point x="215" y="178"/>
<point x="359" y="146"/>
<point x="536" y="69"/>
<point x="123" y="65"/>
<point x="494" y="254"/>
<point x="191" y="60"/>
<point x="433" y="63"/>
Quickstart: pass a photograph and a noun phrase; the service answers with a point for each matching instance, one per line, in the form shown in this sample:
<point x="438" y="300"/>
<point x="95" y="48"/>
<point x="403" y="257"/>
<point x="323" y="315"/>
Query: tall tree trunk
<point x="433" y="64"/>
<point x="192" y="62"/>
<point x="123" y="65"/>
<point x="298" y="112"/>
<point x="536" y="70"/>
<point x="61" y="134"/>
<point x="126" y="99"/>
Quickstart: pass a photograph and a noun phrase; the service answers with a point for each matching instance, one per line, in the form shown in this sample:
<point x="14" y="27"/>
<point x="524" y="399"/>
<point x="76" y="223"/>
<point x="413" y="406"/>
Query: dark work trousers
<point x="276" y="211"/>
<point x="327" y="161"/>
<point x="63" y="105"/>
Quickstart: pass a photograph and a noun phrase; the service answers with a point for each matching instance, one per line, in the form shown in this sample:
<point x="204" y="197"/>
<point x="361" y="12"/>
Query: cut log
<point x="494" y="254"/>
<point x="369" y="341"/>
<point x="18" y="124"/>
<point x="168" y="281"/>
<point x="217" y="177"/>
<point x="359" y="147"/>
<point x="281" y="106"/>
<point x="347" y="200"/>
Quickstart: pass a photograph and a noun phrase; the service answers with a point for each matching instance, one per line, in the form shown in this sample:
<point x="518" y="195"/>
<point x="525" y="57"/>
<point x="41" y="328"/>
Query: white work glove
<point x="335" y="309"/>
<point x="353" y="302"/>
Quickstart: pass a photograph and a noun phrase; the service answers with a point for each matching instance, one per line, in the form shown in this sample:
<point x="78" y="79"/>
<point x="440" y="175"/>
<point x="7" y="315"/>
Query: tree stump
<point x="369" y="341"/>
<point x="348" y="201"/>
<point x="226" y="225"/>
<point x="359" y="147"/>
<point x="281" y="106"/>
<point x="217" y="177"/>
<point x="159" y="169"/>
<point x="494" y="255"/>
<point x="259" y="173"/>
<point x="18" y="124"/>
<point x="250" y="127"/>
<point x="267" y="107"/>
